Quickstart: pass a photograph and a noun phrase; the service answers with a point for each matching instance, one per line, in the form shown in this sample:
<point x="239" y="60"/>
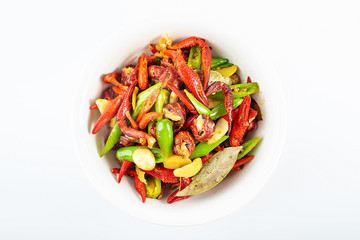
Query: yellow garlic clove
<point x="144" y="159"/>
<point x="227" y="71"/>
<point x="173" y="97"/>
<point x="175" y="161"/>
<point x="102" y="104"/>
<point x="221" y="129"/>
<point x="190" y="169"/>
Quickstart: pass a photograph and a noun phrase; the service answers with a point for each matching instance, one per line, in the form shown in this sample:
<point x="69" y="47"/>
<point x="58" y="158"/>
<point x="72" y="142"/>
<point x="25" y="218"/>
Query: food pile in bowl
<point x="178" y="117"/>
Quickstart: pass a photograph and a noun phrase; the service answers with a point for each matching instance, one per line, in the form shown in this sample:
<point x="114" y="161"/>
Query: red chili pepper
<point x="162" y="191"/>
<point x="151" y="59"/>
<point x="164" y="174"/>
<point x="207" y="157"/>
<point x="234" y="114"/>
<point x="184" y="99"/>
<point x="242" y="162"/>
<point x="129" y="172"/>
<point x="92" y="107"/>
<point x="108" y="114"/>
<point x="152" y="48"/>
<point x="183" y="184"/>
<point x="125" y="165"/>
<point x="240" y="123"/>
<point x="125" y="105"/>
<point x="252" y="126"/>
<point x="252" y="115"/>
<point x="149" y="117"/>
<point x="140" y="187"/>
<point x="118" y="90"/>
<point x="133" y="123"/>
<point x="248" y="79"/>
<point x="219" y="148"/>
<point x="143" y="73"/>
<point x="149" y="102"/>
<point x="174" y="198"/>
<point x="174" y="185"/>
<point x="153" y="130"/>
<point x="111" y="78"/>
<point x="126" y="141"/>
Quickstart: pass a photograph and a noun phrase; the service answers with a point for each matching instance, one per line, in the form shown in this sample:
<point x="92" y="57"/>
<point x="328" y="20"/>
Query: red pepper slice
<point x="152" y="48"/>
<point x="125" y="165"/>
<point x="140" y="187"/>
<point x="242" y="161"/>
<point x="183" y="184"/>
<point x="108" y="114"/>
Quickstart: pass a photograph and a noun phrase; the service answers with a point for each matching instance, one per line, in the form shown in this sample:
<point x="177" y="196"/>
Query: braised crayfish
<point x="178" y="116"/>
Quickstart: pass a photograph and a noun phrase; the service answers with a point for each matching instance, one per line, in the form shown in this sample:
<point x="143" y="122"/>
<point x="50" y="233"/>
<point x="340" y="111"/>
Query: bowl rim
<point x="78" y="147"/>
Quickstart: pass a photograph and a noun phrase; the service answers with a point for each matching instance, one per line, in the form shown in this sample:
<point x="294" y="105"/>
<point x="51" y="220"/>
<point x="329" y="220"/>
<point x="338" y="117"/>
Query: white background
<point x="315" y="47"/>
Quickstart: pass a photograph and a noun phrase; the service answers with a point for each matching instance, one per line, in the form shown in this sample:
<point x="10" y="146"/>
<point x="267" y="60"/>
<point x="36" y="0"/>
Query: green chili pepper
<point x="153" y="187"/>
<point x="225" y="65"/>
<point x="149" y="126"/>
<point x="195" y="57"/>
<point x="248" y="146"/>
<point x="245" y="89"/>
<point x="203" y="148"/>
<point x="242" y="90"/>
<point x="133" y="100"/>
<point x="201" y="109"/>
<point x="125" y="153"/>
<point x="219" y="110"/>
<point x="162" y="100"/>
<point x="215" y="62"/>
<point x="142" y="97"/>
<point x="159" y="156"/>
<point x="165" y="136"/>
<point x="112" y="139"/>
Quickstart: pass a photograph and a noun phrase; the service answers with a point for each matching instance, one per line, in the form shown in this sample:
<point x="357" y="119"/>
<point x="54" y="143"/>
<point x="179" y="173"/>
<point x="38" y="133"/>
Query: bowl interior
<point x="238" y="187"/>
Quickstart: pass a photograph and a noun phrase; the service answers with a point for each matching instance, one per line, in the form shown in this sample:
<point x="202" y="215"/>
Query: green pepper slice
<point x="215" y="62"/>
<point x="153" y="187"/>
<point x="161" y="101"/>
<point x="125" y="153"/>
<point x="142" y="97"/>
<point x="248" y="146"/>
<point x="165" y="136"/>
<point x="200" y="108"/>
<point x="225" y="65"/>
<point x="203" y="148"/>
<point x="159" y="156"/>
<point x="112" y="139"/>
<point x="195" y="57"/>
<point x="219" y="110"/>
<point x="242" y="90"/>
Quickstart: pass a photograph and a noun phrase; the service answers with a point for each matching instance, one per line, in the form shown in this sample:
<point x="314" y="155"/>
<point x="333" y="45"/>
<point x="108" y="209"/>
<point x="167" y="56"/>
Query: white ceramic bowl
<point x="238" y="188"/>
